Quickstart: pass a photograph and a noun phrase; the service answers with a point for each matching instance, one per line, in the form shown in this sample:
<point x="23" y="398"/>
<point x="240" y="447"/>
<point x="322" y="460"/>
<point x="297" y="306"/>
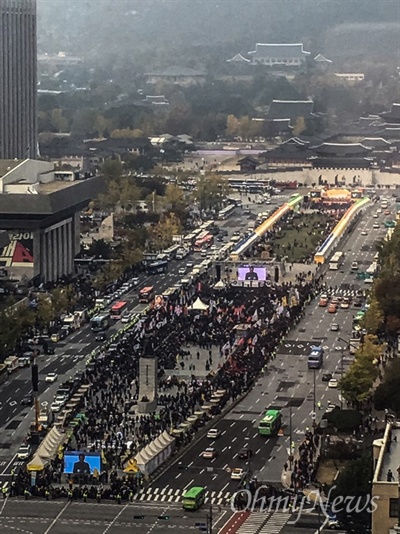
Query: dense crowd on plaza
<point x="169" y="332"/>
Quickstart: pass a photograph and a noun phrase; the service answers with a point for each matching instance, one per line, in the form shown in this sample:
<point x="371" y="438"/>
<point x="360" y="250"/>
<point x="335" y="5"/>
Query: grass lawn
<point x="299" y="243"/>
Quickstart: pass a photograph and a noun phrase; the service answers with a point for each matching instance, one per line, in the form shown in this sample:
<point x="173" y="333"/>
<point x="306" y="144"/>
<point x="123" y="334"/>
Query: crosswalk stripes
<point x="341" y="292"/>
<point x="175" y="495"/>
<point x="253" y="523"/>
<point x="275" y="523"/>
<point x="264" y="523"/>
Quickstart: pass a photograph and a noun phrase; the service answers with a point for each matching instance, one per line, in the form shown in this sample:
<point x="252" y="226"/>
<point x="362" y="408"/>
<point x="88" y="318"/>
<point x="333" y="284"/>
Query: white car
<point x="213" y="433"/>
<point x="345" y="304"/>
<point x="364" y="232"/>
<point x="375" y="215"/>
<point x="210" y="453"/>
<point x="24" y="452"/>
<point x="135" y="281"/>
<point x="334" y="327"/>
<point x="379" y="210"/>
<point x="56" y="406"/>
<point x="333" y="383"/>
<point x="51" y="377"/>
<point x="375" y="226"/>
<point x="369" y="281"/>
<point x="237" y="473"/>
<point x="126" y="318"/>
<point x="182" y="270"/>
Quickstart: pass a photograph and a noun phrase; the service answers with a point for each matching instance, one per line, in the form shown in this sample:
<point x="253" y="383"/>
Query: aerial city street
<point x="199" y="267"/>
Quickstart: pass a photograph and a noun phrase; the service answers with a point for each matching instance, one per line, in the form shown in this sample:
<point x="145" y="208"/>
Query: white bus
<point x="336" y="261"/>
<point x="224" y="213"/>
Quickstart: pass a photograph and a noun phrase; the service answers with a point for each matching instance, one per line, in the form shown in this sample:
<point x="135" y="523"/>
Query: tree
<point x="127" y="133"/>
<point x="112" y="169"/>
<point x="373" y="318"/>
<point x="232" y="126"/>
<point x="100" y="249"/>
<point x="387" y="394"/>
<point x="45" y="312"/>
<point x="162" y="232"/>
<point x="210" y="191"/>
<point x="174" y="200"/>
<point x="300" y="126"/>
<point x="357" y="382"/>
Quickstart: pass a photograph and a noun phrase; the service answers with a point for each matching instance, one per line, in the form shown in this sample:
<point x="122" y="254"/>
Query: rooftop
<point x="290" y="109"/>
<point x="7" y="165"/>
<point x="279" y="50"/>
<point x="176" y="71"/>
<point x="389" y="454"/>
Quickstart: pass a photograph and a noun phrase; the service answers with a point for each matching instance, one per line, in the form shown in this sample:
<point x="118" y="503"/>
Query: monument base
<point x="146" y="407"/>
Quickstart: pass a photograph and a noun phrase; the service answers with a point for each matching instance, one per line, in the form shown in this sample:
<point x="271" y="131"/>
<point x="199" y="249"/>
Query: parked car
<point x="24" y="452"/>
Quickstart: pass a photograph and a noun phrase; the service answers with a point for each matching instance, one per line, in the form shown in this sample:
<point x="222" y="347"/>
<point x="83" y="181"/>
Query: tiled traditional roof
<point x="279" y="51"/>
<point x="290" y="109"/>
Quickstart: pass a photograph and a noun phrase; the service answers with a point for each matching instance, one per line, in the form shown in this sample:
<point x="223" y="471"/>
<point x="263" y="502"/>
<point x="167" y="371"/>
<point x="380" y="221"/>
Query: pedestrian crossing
<point x="222" y="498"/>
<point x="340" y="292"/>
<point x="264" y="523"/>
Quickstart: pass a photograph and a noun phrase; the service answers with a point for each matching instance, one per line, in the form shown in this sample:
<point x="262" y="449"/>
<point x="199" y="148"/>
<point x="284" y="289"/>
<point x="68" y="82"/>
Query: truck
<point x="354" y="345"/>
<point x="12" y="363"/>
<point x="75" y="320"/>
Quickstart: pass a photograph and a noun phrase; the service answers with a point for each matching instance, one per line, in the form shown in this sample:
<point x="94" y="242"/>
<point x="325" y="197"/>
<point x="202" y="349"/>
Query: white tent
<point x="198" y="305"/>
<point x="219" y="285"/>
<point x="47" y="450"/>
<point x="155" y="453"/>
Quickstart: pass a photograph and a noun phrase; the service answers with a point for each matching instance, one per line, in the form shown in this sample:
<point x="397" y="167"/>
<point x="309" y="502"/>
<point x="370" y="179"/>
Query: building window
<point x="393" y="507"/>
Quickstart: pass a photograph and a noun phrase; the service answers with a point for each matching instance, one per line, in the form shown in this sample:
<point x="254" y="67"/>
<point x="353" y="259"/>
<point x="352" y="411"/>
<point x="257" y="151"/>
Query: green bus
<point x="271" y="423"/>
<point x="193" y="498"/>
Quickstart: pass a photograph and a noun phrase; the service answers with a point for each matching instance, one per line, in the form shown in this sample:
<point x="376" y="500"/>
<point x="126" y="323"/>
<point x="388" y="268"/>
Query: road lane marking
<point x="59" y="515"/>
<point x="187" y="485"/>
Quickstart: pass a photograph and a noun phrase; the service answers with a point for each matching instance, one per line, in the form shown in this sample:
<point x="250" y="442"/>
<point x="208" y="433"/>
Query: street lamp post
<point x="314" y="399"/>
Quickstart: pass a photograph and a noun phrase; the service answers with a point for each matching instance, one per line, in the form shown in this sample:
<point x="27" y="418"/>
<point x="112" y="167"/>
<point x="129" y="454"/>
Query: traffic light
<point x="163" y="517"/>
<point x="138" y="517"/>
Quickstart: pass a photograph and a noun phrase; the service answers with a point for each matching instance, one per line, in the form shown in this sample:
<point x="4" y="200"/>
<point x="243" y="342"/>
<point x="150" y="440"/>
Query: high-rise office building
<point x="18" y="75"/>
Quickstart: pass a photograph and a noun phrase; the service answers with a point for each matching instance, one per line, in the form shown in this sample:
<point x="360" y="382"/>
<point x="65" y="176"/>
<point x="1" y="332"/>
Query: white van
<point x="354" y="266"/>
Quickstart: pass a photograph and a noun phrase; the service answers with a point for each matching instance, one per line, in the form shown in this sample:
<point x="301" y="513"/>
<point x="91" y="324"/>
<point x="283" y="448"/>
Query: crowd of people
<point x="111" y="424"/>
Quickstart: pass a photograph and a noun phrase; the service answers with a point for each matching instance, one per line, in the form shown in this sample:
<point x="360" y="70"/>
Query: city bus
<point x="189" y="240"/>
<point x="101" y="322"/>
<point x="315" y="358"/>
<point x="271" y="423"/>
<point x="193" y="498"/>
<point x="157" y="267"/>
<point x="203" y="241"/>
<point x="118" y="310"/>
<point x="146" y="294"/>
<point x="336" y="261"/>
<point x="224" y="213"/>
<point x="172" y="251"/>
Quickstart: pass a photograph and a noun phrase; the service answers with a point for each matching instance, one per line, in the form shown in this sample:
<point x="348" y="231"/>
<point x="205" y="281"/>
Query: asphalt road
<point x="61" y="517"/>
<point x="288" y="382"/>
<point x="71" y="353"/>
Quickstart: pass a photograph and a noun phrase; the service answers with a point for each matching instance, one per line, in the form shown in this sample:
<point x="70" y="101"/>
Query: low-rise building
<point x="40" y="210"/>
<point x="289" y="55"/>
<point x="385" y="484"/>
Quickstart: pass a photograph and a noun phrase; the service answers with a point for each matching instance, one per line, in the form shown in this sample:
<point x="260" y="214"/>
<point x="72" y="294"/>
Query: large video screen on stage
<point x="82" y="463"/>
<point x="252" y="273"/>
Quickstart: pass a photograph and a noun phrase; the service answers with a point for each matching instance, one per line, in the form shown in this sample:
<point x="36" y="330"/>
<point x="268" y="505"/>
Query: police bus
<point x="100" y="322"/>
